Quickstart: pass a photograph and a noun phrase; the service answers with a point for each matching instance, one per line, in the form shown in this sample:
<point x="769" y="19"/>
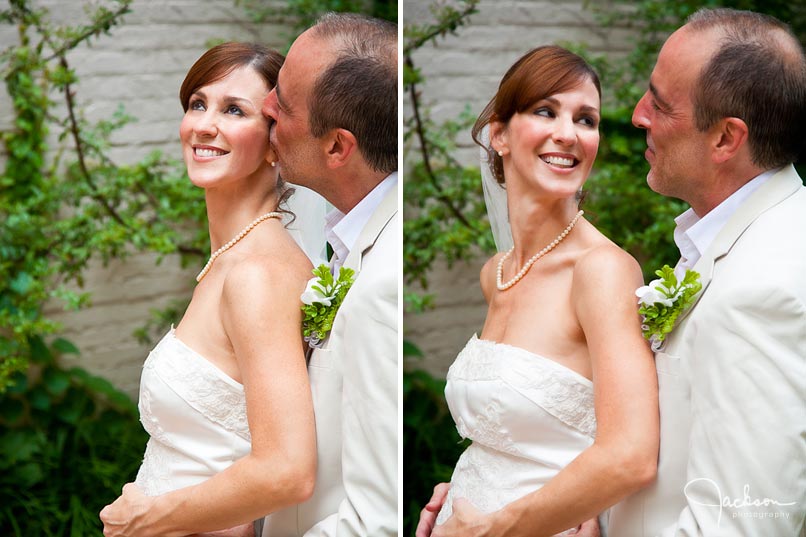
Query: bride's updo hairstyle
<point x="540" y="73"/>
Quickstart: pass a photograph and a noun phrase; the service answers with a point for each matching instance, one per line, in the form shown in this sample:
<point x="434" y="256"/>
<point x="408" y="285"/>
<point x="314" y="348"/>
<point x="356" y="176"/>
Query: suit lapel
<point x="377" y="222"/>
<point x="779" y="187"/>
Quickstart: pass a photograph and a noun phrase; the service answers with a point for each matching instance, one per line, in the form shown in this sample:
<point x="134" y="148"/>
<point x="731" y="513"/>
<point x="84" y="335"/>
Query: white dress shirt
<point x="693" y="235"/>
<point x="342" y="230"/>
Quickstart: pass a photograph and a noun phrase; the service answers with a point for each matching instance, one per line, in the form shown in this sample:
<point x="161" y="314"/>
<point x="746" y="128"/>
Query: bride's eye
<point x="588" y="121"/>
<point x="544" y="111"/>
<point x="234" y="110"/>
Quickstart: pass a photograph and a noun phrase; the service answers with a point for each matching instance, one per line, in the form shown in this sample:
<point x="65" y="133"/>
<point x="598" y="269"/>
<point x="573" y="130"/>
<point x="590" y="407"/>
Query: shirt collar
<point x="693" y="235"/>
<point x="342" y="230"/>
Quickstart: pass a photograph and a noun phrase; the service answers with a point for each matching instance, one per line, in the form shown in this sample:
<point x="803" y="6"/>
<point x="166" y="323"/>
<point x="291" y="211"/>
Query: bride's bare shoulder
<point x="606" y="265"/>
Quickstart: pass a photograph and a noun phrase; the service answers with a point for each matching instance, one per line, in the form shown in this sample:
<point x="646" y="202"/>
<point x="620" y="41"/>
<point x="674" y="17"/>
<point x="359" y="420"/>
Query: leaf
<point x="65" y="347"/>
<point x="21" y="283"/>
<point x="39" y="398"/>
<point x="18" y="383"/>
<point x="11" y="410"/>
<point x="55" y="381"/>
<point x="19" y="446"/>
<point x="40" y="353"/>
<point x="410" y="349"/>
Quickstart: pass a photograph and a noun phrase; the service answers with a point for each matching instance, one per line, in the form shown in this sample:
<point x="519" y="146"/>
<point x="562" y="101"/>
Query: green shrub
<point x="431" y="444"/>
<point x="68" y="442"/>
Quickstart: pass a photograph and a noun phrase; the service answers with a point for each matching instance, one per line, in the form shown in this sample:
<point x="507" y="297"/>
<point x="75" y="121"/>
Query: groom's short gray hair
<point x="358" y="90"/>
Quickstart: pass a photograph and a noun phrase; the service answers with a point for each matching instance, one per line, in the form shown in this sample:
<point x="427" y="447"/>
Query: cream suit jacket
<point x="354" y="382"/>
<point x="732" y="381"/>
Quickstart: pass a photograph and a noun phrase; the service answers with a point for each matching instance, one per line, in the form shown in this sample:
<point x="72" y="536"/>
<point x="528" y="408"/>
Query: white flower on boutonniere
<point x="321" y="300"/>
<point x="663" y="300"/>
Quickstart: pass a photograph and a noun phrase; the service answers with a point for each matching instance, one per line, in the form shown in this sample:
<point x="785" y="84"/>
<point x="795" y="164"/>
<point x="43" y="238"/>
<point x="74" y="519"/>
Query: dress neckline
<point x="207" y="363"/>
<point x="551" y="362"/>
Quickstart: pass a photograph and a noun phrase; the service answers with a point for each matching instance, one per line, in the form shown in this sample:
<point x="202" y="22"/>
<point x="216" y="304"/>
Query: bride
<point x="225" y="395"/>
<point x="559" y="393"/>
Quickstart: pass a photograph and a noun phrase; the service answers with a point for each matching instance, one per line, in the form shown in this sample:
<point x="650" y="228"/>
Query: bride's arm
<point x="623" y="457"/>
<point x="261" y="313"/>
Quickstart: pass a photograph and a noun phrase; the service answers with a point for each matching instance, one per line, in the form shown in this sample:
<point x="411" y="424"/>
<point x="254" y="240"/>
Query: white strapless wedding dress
<point x="195" y="414"/>
<point x="528" y="417"/>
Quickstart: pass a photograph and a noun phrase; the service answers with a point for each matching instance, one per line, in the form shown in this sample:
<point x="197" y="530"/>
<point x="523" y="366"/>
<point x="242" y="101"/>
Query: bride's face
<point x="224" y="135"/>
<point x="552" y="145"/>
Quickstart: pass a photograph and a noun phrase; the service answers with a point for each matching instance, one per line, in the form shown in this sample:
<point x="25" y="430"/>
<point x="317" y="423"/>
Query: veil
<point x="495" y="197"/>
<point x="308" y="228"/>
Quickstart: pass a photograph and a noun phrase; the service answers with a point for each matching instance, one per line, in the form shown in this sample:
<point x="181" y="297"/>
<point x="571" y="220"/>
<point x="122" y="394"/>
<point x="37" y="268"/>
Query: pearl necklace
<point x="243" y="233"/>
<point x="500" y="274"/>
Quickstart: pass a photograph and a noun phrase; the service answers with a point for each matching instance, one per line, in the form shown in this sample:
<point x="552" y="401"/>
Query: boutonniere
<point x="321" y="300"/>
<point x="663" y="300"/>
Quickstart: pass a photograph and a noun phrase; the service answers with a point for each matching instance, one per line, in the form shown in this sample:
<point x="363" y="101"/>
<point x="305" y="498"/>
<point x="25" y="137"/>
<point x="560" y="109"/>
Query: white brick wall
<point x="465" y="69"/>
<point x="141" y="64"/>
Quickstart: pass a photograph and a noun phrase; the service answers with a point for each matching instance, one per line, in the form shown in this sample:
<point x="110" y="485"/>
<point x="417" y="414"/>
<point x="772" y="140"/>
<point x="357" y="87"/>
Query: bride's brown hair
<point x="540" y="73"/>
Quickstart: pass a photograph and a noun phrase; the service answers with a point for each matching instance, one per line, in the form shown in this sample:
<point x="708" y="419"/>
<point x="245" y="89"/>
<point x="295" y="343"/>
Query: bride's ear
<point x="271" y="156"/>
<point x="498" y="137"/>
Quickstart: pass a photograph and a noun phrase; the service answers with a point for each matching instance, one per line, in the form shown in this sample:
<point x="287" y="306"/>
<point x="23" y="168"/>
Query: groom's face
<point x="299" y="152"/>
<point x="676" y="149"/>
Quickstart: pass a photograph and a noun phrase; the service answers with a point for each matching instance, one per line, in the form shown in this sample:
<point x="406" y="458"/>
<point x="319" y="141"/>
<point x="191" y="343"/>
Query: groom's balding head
<point x="357" y="90"/>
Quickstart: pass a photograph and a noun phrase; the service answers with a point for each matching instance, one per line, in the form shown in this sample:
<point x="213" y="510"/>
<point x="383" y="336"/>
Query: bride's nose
<point x="206" y="125"/>
<point x="564" y="131"/>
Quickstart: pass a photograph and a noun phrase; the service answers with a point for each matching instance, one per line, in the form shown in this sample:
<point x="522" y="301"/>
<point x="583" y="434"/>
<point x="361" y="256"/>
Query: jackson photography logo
<point x="706" y="492"/>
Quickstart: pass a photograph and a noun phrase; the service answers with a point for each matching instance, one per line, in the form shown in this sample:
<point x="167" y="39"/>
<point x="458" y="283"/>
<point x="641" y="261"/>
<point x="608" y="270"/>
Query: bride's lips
<point x="207" y="152"/>
<point x="560" y="161"/>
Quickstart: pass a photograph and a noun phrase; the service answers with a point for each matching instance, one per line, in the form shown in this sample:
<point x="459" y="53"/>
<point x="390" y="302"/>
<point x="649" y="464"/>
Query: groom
<point x="335" y="131"/>
<point x="725" y="117"/>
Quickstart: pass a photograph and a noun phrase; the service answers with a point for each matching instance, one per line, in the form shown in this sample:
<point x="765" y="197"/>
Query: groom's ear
<point x="729" y="137"/>
<point x="340" y="146"/>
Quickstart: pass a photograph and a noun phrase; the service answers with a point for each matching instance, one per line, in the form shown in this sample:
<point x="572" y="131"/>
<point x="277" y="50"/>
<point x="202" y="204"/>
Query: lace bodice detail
<point x="563" y="393"/>
<point x="528" y="417"/>
<point x="195" y="415"/>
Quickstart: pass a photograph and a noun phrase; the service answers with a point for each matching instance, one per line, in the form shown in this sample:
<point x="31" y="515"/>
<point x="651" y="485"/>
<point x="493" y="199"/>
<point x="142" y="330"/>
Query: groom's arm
<point x="748" y="435"/>
<point x="369" y="401"/>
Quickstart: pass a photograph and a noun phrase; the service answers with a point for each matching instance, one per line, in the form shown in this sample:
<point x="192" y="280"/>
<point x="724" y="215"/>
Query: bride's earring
<point x="500" y="152"/>
<point x="273" y="164"/>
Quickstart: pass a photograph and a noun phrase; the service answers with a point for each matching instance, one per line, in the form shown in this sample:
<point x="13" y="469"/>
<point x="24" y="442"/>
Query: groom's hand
<point x="428" y="516"/>
<point x="466" y="521"/>
<point x="588" y="529"/>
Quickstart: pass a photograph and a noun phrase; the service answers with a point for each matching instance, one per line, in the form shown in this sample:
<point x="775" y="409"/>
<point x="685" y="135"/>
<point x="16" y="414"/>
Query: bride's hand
<point x="121" y="516"/>
<point x="466" y="521"/>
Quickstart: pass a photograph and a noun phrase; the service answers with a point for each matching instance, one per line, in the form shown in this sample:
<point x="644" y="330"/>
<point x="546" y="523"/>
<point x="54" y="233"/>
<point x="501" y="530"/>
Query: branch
<point x="74" y="130"/>
<point x="424" y="150"/>
<point x="452" y="21"/>
<point x="105" y="22"/>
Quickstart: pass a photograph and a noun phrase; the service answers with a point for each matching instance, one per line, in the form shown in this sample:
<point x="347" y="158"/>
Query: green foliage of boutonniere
<point x="321" y="300"/>
<point x="663" y="300"/>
